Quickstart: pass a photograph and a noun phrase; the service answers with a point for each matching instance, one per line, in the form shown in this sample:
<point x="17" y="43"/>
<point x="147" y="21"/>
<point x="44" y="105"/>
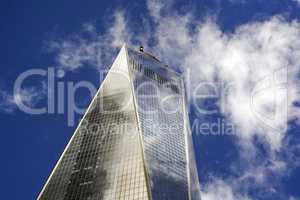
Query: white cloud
<point x="7" y="103"/>
<point x="90" y="48"/>
<point x="253" y="177"/>
<point x="260" y="59"/>
<point x="298" y="1"/>
<point x="219" y="189"/>
<point x="118" y="31"/>
<point x="28" y="96"/>
<point x="249" y="58"/>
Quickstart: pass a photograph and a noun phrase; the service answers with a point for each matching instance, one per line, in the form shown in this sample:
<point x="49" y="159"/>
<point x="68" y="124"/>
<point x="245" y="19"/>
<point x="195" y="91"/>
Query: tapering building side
<point x="134" y="140"/>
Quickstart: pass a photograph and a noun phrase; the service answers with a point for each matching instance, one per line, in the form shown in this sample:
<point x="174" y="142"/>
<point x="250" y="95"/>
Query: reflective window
<point x="164" y="145"/>
<point x="104" y="160"/>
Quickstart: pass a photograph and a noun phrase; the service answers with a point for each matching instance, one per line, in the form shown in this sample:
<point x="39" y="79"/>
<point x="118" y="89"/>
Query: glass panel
<point x="104" y="159"/>
<point x="160" y="109"/>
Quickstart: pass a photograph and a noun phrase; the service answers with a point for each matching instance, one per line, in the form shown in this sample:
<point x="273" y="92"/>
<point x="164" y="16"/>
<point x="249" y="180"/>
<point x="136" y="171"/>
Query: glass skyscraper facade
<point x="134" y="141"/>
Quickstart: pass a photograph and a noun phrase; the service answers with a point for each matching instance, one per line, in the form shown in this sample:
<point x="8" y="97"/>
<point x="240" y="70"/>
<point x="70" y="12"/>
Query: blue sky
<point x="235" y="42"/>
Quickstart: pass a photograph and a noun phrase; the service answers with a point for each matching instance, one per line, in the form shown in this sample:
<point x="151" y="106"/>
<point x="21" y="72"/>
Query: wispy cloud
<point x="298" y="1"/>
<point x="29" y="96"/>
<point x="89" y="47"/>
<point x="7" y="103"/>
<point x="219" y="189"/>
<point x="293" y="198"/>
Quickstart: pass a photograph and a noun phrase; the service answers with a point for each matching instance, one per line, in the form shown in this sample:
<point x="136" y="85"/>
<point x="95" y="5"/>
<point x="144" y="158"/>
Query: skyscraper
<point x="134" y="140"/>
